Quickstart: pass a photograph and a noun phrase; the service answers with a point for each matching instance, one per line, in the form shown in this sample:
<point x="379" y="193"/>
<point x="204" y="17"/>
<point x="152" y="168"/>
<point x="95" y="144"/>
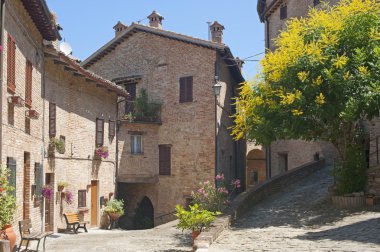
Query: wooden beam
<point x="70" y="69"/>
<point x="89" y="80"/>
<point x="60" y="62"/>
<point x="77" y="74"/>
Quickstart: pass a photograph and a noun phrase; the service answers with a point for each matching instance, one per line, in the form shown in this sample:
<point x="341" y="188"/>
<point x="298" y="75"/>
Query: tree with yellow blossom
<point x="320" y="83"/>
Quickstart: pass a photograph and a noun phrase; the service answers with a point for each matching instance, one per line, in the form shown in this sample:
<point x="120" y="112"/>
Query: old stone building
<point x="283" y="155"/>
<point x="171" y="136"/>
<point x="24" y="27"/>
<point x="80" y="110"/>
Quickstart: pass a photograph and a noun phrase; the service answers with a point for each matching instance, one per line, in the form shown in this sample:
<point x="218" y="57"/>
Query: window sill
<point x="137" y="154"/>
<point x="83" y="209"/>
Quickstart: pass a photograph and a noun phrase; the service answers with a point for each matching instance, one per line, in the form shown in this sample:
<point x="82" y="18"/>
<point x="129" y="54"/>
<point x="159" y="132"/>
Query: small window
<point x="52" y="120"/>
<point x="316" y="2"/>
<point x="186" y="89"/>
<point x="99" y="132"/>
<point x="38" y="179"/>
<point x="136" y="144"/>
<point x="111" y="129"/>
<point x="82" y="198"/>
<point x="283" y="12"/>
<point x="164" y="159"/>
<point x="11" y="164"/>
<point x="27" y="125"/>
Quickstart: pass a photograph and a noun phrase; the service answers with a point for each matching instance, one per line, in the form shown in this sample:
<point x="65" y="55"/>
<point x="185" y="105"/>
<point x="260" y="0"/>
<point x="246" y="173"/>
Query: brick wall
<point x="188" y="127"/>
<point x="16" y="141"/>
<point x="78" y="104"/>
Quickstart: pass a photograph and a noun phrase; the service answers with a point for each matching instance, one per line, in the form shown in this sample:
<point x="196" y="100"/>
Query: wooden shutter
<point x="283" y="12"/>
<point x="11" y="65"/>
<point x="189" y="89"/>
<point x="28" y="84"/>
<point x="111" y="128"/>
<point x="11" y="164"/>
<point x="38" y="178"/>
<point x="182" y="89"/>
<point x="164" y="159"/>
<point x="52" y="120"/>
<point x="82" y="198"/>
<point x="99" y="132"/>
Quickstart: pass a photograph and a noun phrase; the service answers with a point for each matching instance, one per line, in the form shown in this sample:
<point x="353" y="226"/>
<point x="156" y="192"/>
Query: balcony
<point x="141" y="110"/>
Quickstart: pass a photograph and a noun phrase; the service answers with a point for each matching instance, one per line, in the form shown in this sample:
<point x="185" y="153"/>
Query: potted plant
<point x="194" y="219"/>
<point x="114" y="209"/>
<point x="57" y="144"/>
<point x="102" y="152"/>
<point x="68" y="197"/>
<point x="7" y="207"/>
<point x="61" y="186"/>
<point x="47" y="192"/>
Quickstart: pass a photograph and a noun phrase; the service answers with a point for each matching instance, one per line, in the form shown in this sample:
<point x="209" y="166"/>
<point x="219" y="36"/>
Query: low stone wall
<point x="243" y="202"/>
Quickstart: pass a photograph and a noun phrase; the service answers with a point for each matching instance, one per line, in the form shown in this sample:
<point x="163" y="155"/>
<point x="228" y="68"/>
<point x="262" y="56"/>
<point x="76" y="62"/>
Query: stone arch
<point x="256" y="167"/>
<point x="144" y="216"/>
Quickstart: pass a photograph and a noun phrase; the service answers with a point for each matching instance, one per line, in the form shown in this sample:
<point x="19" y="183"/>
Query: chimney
<point x="119" y="27"/>
<point x="217" y="32"/>
<point x="155" y="20"/>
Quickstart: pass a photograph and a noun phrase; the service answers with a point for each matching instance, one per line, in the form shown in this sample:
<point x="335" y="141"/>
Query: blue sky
<point x="88" y="24"/>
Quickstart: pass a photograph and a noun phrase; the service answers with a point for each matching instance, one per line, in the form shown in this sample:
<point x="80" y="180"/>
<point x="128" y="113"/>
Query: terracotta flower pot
<point x="114" y="216"/>
<point x="10" y="235"/>
<point x="194" y="235"/>
<point x="60" y="188"/>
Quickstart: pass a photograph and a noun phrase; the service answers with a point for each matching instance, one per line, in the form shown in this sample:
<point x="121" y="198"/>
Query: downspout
<point x="43" y="84"/>
<point x="117" y="149"/>
<point x="2" y="13"/>
<point x="267" y="36"/>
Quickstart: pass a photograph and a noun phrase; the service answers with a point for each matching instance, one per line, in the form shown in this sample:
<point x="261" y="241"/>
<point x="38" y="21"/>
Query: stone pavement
<point x="301" y="219"/>
<point x="162" y="238"/>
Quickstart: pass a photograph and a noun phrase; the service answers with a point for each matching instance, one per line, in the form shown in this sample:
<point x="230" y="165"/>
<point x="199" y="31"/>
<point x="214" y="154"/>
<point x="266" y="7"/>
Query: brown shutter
<point x="182" y="89"/>
<point x="82" y="198"/>
<point x="283" y="12"/>
<point x="52" y="120"/>
<point x="189" y="89"/>
<point x="11" y="65"/>
<point x="28" y="83"/>
<point x="112" y="128"/>
<point x="164" y="159"/>
<point x="99" y="132"/>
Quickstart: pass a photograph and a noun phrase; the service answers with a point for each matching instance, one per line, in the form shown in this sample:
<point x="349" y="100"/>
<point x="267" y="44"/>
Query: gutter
<point x="2" y="14"/>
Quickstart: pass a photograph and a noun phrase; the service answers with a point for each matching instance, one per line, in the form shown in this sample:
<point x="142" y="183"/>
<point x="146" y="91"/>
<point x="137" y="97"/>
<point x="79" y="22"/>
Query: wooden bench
<point x="73" y="222"/>
<point x="25" y="227"/>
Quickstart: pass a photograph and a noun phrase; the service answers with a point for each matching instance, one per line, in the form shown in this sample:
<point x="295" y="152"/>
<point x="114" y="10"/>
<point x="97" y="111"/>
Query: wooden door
<point x="27" y="188"/>
<point x="94" y="203"/>
<point x="49" y="205"/>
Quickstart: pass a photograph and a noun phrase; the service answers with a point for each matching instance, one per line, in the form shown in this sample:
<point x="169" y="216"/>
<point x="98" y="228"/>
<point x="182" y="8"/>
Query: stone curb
<point x="244" y="201"/>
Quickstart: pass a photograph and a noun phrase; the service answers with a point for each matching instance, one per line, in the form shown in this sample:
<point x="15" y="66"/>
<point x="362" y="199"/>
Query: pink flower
<point x="207" y="182"/>
<point x="236" y="183"/>
<point x="223" y="190"/>
<point x="219" y="177"/>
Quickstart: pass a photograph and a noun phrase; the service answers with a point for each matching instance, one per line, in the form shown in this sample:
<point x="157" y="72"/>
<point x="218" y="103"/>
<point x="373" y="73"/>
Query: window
<point x="111" y="129"/>
<point x="164" y="159"/>
<point x="136" y="144"/>
<point x="316" y="2"/>
<point x="28" y="84"/>
<point x="38" y="178"/>
<point x="27" y="125"/>
<point x="186" y="89"/>
<point x="82" y="198"/>
<point x="11" y="65"/>
<point x="52" y="120"/>
<point x="129" y="104"/>
<point x="99" y="132"/>
<point x="283" y="12"/>
<point x="11" y="164"/>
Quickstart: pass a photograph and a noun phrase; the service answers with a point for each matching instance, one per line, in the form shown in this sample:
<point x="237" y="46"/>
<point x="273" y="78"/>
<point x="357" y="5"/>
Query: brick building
<point x="45" y="95"/>
<point x="283" y="155"/>
<point x="24" y="27"/>
<point x="168" y="141"/>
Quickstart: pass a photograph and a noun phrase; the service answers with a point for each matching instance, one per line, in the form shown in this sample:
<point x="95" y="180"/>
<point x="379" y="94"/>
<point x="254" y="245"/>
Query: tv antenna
<point x="65" y="48"/>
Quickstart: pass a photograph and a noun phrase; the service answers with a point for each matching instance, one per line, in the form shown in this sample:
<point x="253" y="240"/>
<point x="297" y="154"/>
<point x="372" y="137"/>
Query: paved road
<point x="162" y="238"/>
<point x="301" y="219"/>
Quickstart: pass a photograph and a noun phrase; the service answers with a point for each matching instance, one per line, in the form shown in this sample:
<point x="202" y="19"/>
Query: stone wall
<point x="78" y="104"/>
<point x="16" y="141"/>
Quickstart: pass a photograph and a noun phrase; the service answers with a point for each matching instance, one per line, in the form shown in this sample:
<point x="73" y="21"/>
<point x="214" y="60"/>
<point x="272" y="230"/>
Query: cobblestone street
<point x="301" y="219"/>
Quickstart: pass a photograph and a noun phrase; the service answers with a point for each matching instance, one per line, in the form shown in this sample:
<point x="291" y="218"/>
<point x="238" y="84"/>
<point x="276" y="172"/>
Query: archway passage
<point x="144" y="217"/>
<point x="256" y="167"/>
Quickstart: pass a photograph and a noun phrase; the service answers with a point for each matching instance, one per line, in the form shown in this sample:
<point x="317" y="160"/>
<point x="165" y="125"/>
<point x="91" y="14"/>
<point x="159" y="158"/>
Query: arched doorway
<point x="144" y="217"/>
<point x="256" y="167"/>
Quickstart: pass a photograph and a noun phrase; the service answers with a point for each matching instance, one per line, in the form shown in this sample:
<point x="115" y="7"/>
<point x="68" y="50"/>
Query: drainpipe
<point x="2" y="13"/>
<point x="43" y="84"/>
<point x="117" y="149"/>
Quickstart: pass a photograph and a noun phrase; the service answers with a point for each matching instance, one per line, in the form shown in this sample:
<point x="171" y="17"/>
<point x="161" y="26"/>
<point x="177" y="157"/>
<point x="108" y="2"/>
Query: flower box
<point x="16" y="100"/>
<point x="32" y="114"/>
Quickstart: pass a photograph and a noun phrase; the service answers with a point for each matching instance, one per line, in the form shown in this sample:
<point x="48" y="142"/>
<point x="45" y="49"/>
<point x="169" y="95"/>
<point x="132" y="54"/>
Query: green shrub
<point x="195" y="219"/>
<point x="7" y="199"/>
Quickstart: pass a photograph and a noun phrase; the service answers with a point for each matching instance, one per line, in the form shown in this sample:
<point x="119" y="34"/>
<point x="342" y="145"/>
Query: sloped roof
<point x="77" y="70"/>
<point x="263" y="10"/>
<point x="40" y="14"/>
<point x="223" y="49"/>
